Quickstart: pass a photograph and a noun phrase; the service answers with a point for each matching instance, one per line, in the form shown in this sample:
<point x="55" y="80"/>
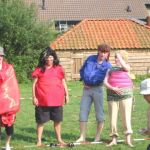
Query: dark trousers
<point x="9" y="130"/>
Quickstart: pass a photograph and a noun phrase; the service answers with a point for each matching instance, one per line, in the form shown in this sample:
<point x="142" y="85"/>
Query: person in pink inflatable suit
<point x="119" y="95"/>
<point x="9" y="97"/>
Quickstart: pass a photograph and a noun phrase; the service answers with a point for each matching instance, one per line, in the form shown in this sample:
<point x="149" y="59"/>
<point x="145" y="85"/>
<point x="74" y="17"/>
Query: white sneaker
<point x="7" y="147"/>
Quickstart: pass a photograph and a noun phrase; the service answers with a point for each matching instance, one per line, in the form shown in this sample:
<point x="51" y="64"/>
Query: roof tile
<point x="118" y="33"/>
<point x="81" y="9"/>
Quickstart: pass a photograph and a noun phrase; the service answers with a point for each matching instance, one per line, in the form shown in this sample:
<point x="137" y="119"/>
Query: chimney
<point x="128" y="9"/>
<point x="43" y="4"/>
<point x="148" y="20"/>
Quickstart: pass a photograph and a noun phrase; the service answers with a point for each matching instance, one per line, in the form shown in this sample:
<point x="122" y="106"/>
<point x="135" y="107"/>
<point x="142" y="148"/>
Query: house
<point x="75" y="45"/>
<point x="66" y="13"/>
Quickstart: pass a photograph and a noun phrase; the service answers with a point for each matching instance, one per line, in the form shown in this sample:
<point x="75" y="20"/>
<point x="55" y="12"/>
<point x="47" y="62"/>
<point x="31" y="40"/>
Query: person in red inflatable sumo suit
<point x="9" y="97"/>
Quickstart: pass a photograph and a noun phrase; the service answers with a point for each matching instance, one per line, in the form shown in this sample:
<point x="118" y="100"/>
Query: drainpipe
<point x="43" y="4"/>
<point x="148" y="20"/>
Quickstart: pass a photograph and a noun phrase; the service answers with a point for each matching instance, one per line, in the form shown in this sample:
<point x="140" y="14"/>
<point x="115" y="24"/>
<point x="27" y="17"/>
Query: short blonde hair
<point x="123" y="53"/>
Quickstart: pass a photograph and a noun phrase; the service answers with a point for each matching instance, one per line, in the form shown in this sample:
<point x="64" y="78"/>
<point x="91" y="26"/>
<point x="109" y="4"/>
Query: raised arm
<point x="123" y="63"/>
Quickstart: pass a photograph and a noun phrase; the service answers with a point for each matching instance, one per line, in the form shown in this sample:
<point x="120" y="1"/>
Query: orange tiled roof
<point x="118" y="33"/>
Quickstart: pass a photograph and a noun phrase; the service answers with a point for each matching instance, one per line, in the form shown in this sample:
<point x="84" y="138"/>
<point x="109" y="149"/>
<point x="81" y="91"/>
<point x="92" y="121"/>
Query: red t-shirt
<point x="49" y="89"/>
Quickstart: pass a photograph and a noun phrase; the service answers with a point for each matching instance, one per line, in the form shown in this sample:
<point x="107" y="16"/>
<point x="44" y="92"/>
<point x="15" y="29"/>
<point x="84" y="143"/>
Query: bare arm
<point x="66" y="91"/>
<point x="108" y="86"/>
<point x="34" y="99"/>
<point x="123" y="64"/>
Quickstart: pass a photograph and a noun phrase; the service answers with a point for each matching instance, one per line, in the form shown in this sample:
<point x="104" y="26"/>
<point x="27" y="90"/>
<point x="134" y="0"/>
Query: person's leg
<point x="99" y="129"/>
<point x="56" y="115"/>
<point x="126" y="109"/>
<point x="0" y="126"/>
<point x="42" y="116"/>
<point x="113" y="142"/>
<point x="128" y="140"/>
<point x="148" y="121"/>
<point x="113" y="107"/>
<point x="83" y="126"/>
<point x="8" y="138"/>
<point x="40" y="128"/>
<point x="9" y="132"/>
<point x="0" y="133"/>
<point x="57" y="128"/>
<point x="85" y="107"/>
<point x="146" y="131"/>
<point x="99" y="110"/>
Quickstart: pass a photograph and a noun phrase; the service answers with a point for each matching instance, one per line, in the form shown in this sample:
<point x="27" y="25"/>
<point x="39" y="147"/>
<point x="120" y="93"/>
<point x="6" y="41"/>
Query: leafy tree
<point x="23" y="36"/>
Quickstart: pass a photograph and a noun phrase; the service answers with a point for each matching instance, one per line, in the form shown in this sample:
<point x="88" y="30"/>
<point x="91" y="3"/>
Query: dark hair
<point x="44" y="55"/>
<point x="104" y="48"/>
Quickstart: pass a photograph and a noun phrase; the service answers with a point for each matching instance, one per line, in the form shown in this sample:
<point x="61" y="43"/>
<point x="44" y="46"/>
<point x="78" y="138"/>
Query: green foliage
<point x="23" y="36"/>
<point x="139" y="78"/>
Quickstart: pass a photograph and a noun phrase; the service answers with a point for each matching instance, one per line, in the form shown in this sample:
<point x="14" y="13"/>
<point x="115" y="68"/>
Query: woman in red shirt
<point x="49" y="93"/>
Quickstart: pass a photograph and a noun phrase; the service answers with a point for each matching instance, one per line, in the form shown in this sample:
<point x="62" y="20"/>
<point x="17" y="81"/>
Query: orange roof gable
<point x="118" y="33"/>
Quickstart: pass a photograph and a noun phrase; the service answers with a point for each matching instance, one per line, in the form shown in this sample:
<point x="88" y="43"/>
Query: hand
<point x="35" y="101"/>
<point x="86" y="86"/>
<point x="118" y="55"/>
<point x="117" y="90"/>
<point x="67" y="99"/>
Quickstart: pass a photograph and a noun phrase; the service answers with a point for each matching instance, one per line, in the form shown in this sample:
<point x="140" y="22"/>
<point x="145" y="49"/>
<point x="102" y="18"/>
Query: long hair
<point x="44" y="55"/>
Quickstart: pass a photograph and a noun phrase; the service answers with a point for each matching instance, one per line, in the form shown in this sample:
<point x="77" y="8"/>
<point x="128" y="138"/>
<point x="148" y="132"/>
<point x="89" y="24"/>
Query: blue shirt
<point x="93" y="73"/>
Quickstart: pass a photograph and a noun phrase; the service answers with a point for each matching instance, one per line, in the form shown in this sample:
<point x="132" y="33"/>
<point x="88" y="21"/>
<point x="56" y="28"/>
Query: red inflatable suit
<point x="9" y="95"/>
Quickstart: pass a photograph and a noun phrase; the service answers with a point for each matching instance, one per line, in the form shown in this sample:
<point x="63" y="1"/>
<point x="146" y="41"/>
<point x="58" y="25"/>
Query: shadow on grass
<point x="29" y="135"/>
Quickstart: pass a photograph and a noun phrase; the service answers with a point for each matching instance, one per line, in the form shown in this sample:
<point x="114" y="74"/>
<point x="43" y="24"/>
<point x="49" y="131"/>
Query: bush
<point x="23" y="36"/>
<point x="139" y="78"/>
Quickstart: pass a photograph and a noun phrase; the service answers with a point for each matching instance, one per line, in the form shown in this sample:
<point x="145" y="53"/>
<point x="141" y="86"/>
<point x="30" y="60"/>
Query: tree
<point x="23" y="36"/>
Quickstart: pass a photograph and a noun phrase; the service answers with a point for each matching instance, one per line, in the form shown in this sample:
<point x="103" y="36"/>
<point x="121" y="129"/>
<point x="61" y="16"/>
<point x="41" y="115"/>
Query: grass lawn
<point x="25" y="127"/>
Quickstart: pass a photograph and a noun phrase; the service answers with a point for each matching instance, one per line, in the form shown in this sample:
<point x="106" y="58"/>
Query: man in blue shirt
<point x="92" y="74"/>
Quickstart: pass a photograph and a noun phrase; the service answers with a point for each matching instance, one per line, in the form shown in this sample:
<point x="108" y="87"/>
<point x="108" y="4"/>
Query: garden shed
<point x="76" y="44"/>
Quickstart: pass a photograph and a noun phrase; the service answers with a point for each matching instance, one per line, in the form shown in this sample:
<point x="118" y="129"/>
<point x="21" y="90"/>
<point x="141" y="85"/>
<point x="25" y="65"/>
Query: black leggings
<point x="9" y="130"/>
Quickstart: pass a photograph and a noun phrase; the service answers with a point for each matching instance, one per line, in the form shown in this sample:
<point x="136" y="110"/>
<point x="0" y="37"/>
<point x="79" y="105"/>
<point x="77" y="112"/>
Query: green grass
<point x="25" y="127"/>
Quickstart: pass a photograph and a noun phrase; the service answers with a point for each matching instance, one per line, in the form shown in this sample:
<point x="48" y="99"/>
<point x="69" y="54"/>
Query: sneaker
<point x="7" y="147"/>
